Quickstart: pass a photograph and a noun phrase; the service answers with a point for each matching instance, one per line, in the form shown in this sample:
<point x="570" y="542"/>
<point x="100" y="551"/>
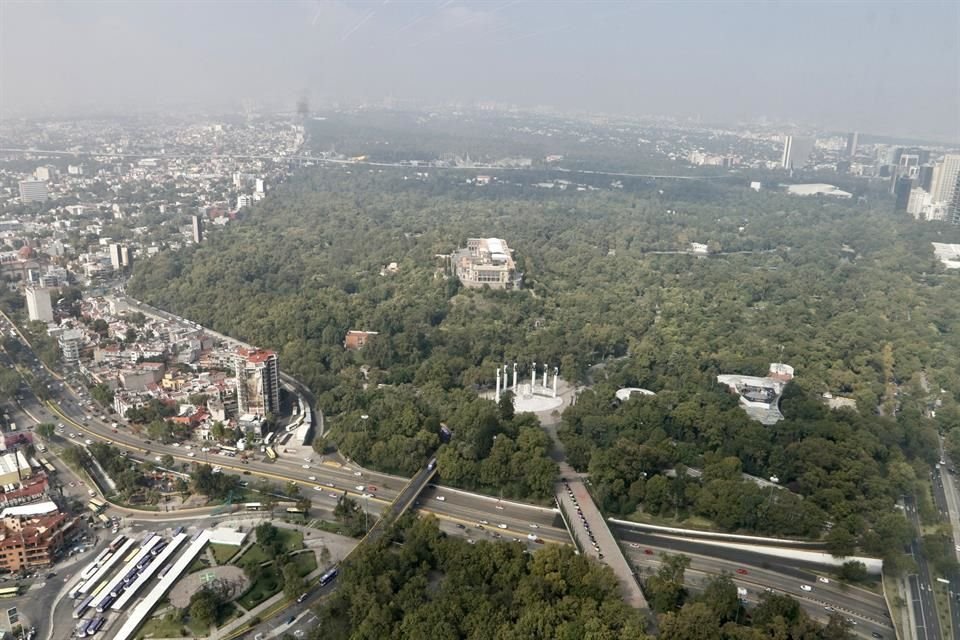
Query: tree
<point x="293" y="584"/>
<point x="46" y="430"/>
<point x="167" y="461"/>
<point x="853" y="571"/>
<point x="204" y="607"/>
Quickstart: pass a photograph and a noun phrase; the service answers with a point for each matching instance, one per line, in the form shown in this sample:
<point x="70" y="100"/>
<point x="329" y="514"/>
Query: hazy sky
<point x="882" y="67"/>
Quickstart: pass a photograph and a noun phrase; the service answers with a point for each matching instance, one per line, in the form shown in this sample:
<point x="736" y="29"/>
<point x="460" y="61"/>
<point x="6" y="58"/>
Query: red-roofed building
<point x="28" y="542"/>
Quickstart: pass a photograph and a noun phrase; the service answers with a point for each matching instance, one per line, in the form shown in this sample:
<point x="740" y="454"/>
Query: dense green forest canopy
<point x="439" y="587"/>
<point x="851" y="296"/>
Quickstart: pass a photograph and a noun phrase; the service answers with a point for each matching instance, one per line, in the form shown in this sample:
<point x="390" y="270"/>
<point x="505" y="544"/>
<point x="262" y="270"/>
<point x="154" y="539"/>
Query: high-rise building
<point x="901" y="192"/>
<point x="796" y="152"/>
<point x="852" y="140"/>
<point x="33" y="191"/>
<point x="925" y="177"/>
<point x="258" y="381"/>
<point x="197" y="224"/>
<point x="244" y="200"/>
<point x="71" y="341"/>
<point x="953" y="212"/>
<point x="918" y="203"/>
<point x="38" y="304"/>
<point x="42" y="173"/>
<point x="893" y="155"/>
<point x="944" y="178"/>
<point x="115" y="258"/>
<point x="260" y="188"/>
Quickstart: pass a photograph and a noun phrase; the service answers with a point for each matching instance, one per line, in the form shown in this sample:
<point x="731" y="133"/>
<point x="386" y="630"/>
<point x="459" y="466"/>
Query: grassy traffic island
<point x="226" y="581"/>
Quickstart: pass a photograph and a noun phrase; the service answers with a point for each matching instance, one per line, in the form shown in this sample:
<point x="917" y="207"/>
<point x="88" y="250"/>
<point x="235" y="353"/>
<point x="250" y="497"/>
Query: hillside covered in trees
<point x="851" y="297"/>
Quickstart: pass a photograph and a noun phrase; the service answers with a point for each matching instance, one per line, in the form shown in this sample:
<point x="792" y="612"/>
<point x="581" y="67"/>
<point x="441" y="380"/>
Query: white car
<point x="217" y="469"/>
<point x="157" y="458"/>
<point x="176" y="444"/>
<point x="534" y="526"/>
<point x="823" y="580"/>
<point x="531" y="536"/>
<point x="335" y="496"/>
<point x="806" y="587"/>
<point x="305" y="466"/>
<point x="360" y="487"/>
<point x="312" y="478"/>
<point x="318" y="488"/>
<point x="501" y="526"/>
<point x="367" y="495"/>
<point x="358" y="473"/>
<point x="192" y="455"/>
<point x="441" y="498"/>
<point x="88" y="442"/>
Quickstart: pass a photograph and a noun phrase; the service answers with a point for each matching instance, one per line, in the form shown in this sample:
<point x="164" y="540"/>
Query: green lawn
<point x="199" y="564"/>
<point x="223" y="552"/>
<point x="292" y="539"/>
<point x="306" y="562"/>
<point x="167" y="626"/>
<point x="253" y="555"/>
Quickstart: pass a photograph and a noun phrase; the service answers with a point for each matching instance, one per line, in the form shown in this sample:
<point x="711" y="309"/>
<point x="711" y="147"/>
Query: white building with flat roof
<point x="486" y="262"/>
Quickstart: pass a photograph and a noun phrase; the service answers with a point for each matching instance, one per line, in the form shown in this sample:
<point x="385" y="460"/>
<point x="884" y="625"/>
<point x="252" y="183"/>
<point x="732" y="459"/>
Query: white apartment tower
<point x="38" y="304"/>
<point x="258" y="381"/>
<point x="944" y="179"/>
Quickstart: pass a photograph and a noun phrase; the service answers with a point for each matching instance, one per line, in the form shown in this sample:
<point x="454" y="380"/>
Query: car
<point x="73" y="435"/>
<point x="534" y="526"/>
<point x="217" y="469"/>
<point x="88" y="442"/>
<point x="291" y="619"/>
<point x="367" y="495"/>
<point x="175" y="444"/>
<point x="301" y="598"/>
<point x="501" y="526"/>
<point x="334" y="495"/>
<point x="471" y="541"/>
<point x="823" y="580"/>
<point x="649" y="552"/>
<point x="358" y="473"/>
<point x="829" y="608"/>
<point x="852" y="621"/>
<point x="305" y="466"/>
<point x="318" y="488"/>
<point x="874" y="634"/>
<point x="312" y="478"/>
<point x="441" y="498"/>
<point x="634" y="545"/>
<point x="499" y="507"/>
<point x="244" y="483"/>
<point x="461" y="526"/>
<point x="742" y="571"/>
<point x="370" y="487"/>
<point x="360" y="487"/>
<point x="531" y="536"/>
<point x="806" y="587"/>
<point x="158" y="458"/>
<point x="246" y="473"/>
<point x="484" y="522"/>
<point x="330" y="484"/>
<point x="191" y="454"/>
<point x="539" y="541"/>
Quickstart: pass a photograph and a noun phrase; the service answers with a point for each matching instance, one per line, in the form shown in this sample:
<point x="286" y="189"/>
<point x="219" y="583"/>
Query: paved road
<point x="925" y="610"/>
<point x="863" y="607"/>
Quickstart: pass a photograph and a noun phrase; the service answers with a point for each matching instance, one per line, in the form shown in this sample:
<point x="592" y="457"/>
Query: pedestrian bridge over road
<point x="584" y="519"/>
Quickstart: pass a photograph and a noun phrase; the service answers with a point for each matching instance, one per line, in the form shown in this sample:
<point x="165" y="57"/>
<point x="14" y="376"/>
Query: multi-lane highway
<point x="927" y="624"/>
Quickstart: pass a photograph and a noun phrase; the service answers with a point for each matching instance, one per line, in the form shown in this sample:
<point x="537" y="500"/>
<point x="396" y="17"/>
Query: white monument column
<point x="556" y="372"/>
<point x="497" y="396"/>
<point x="514" y="378"/>
<point x="533" y="377"/>
<point x="544" y="377"/>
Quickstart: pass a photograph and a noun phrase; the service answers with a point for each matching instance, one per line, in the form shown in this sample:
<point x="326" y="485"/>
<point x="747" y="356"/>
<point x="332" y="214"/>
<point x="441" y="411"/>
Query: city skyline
<point x="837" y="66"/>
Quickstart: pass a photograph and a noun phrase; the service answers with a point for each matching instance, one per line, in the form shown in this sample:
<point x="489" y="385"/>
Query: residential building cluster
<point x="142" y="358"/>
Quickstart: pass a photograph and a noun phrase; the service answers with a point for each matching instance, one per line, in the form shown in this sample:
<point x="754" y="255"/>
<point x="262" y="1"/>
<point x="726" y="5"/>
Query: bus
<point x="329" y="577"/>
<point x="130" y="556"/>
<point x="105" y="603"/>
<point x="253" y="506"/>
<point x="9" y="592"/>
<point x="49" y="468"/>
<point x="102" y="557"/>
<point x="269" y="438"/>
<point x="118" y="542"/>
<point x="225" y="448"/>
<point x="100" y="587"/>
<point x="82" y="607"/>
<point x="297" y="511"/>
<point x="271" y="453"/>
<point x="97" y="504"/>
<point x="104" y="519"/>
